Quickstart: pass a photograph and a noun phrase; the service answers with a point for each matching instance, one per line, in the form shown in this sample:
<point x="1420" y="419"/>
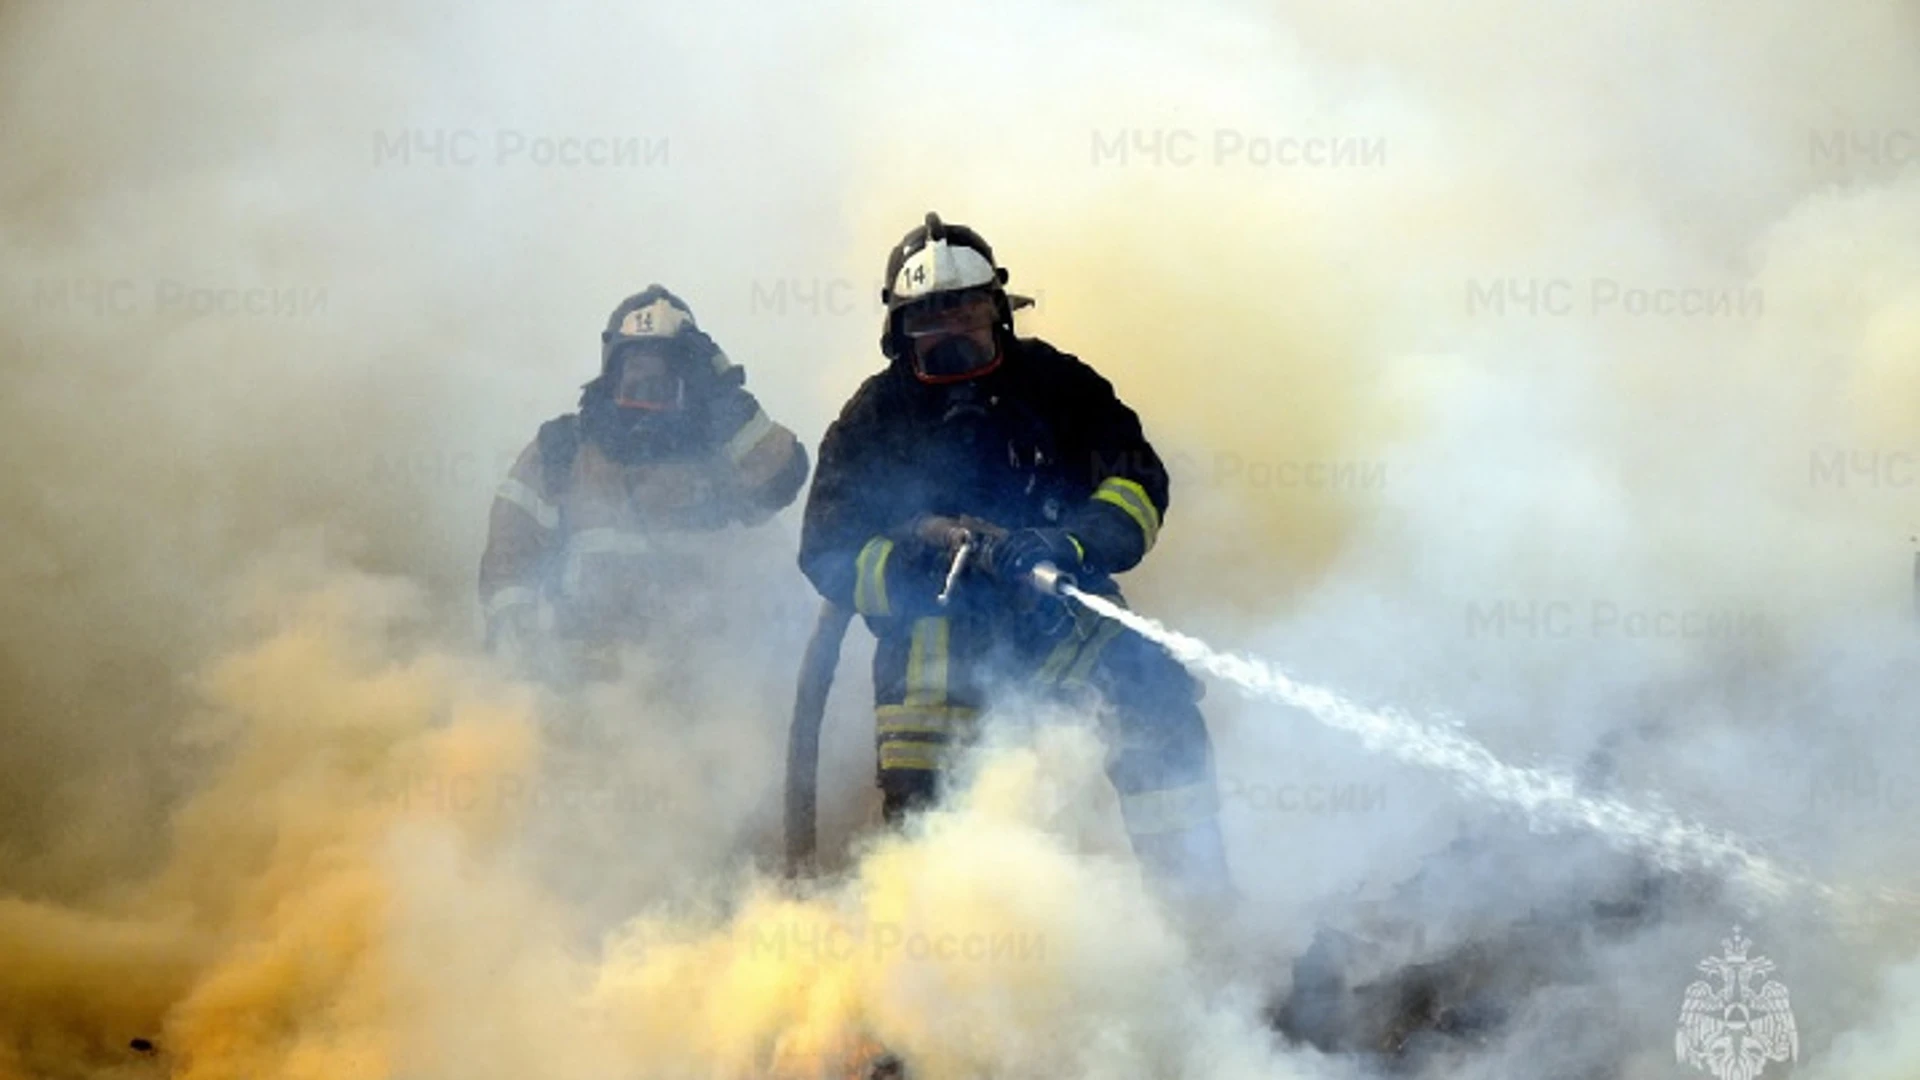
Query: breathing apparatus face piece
<point x="950" y="335"/>
<point x="644" y="379"/>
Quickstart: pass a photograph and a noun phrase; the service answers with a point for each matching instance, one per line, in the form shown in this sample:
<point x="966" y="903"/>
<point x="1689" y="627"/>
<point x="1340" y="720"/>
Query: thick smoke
<point x="1550" y="368"/>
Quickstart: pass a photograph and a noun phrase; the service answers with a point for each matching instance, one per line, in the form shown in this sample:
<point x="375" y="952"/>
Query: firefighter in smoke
<point x="1028" y="449"/>
<point x="607" y="518"/>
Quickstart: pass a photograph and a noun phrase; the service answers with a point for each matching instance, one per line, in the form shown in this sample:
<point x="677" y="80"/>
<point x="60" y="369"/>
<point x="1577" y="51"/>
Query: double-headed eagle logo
<point x="1732" y="1031"/>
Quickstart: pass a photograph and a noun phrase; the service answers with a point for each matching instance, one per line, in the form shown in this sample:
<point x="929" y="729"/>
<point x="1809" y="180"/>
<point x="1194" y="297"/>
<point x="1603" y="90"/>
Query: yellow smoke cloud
<point x="330" y="906"/>
<point x="979" y="943"/>
<point x="264" y="944"/>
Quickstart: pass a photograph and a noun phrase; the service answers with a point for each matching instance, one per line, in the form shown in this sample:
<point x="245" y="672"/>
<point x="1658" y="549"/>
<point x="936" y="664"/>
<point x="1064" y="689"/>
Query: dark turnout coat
<point x="1041" y="441"/>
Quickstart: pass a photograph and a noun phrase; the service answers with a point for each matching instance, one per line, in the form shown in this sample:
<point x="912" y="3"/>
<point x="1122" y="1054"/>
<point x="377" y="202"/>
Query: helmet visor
<point x="948" y="313"/>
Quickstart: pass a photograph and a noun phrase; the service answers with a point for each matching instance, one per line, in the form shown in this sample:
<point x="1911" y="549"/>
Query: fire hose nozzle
<point x="1050" y="579"/>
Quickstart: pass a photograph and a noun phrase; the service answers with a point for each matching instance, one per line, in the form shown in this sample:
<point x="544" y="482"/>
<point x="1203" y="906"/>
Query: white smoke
<point x="288" y="288"/>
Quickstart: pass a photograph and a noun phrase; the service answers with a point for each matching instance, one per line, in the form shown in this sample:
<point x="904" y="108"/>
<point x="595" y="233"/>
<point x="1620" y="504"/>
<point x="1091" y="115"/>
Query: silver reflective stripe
<point x="511" y="596"/>
<point x="749" y="436"/>
<point x="601" y="541"/>
<point x="524" y="497"/>
<point x="1169" y="810"/>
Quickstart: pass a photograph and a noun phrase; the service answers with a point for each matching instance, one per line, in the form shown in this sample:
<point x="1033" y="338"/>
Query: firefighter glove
<point x="1014" y="557"/>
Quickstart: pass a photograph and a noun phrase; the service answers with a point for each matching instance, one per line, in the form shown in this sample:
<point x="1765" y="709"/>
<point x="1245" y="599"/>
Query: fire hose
<point x="963" y="538"/>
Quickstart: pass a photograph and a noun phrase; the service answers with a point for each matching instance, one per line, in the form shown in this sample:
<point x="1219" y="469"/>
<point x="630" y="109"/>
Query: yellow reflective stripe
<point x="939" y="720"/>
<point x="1139" y="493"/>
<point x="927" y="662"/>
<point x="910" y="755"/>
<point x="938" y="731"/>
<point x="1090" y="652"/>
<point x="870" y="578"/>
<point x="1057" y="660"/>
<point x="1079" y="550"/>
<point x="1132" y="499"/>
<point x="933" y="714"/>
<point x="1071" y="660"/>
<point x="1169" y="810"/>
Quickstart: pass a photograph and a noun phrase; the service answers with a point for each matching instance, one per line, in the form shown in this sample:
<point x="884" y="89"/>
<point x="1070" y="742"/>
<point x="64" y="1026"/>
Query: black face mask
<point x="635" y="436"/>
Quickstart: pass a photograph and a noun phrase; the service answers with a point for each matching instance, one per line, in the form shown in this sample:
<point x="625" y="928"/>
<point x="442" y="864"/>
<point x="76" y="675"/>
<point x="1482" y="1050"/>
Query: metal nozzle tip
<point x="1050" y="579"/>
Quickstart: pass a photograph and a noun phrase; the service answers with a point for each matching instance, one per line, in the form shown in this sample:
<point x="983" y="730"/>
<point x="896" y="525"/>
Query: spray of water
<point x="1550" y="800"/>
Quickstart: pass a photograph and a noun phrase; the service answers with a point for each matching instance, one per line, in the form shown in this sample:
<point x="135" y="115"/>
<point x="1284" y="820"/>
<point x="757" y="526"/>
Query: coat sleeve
<point x="849" y="533"/>
<point x="764" y="461"/>
<point x="1120" y="522"/>
<point x="522" y="530"/>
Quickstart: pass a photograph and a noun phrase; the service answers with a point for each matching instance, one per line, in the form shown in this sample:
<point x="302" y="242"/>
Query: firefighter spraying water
<point x="960" y="430"/>
<point x="975" y="460"/>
